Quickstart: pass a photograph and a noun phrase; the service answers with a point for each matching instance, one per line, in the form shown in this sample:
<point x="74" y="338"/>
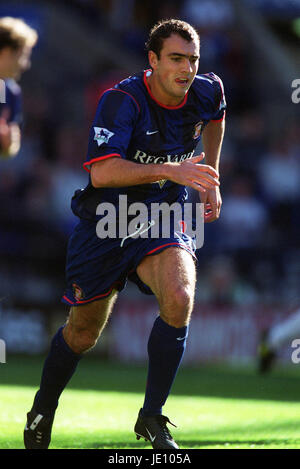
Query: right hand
<point x="198" y="176"/>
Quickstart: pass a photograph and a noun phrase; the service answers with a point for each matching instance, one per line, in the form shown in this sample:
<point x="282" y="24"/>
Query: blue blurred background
<point x="249" y="267"/>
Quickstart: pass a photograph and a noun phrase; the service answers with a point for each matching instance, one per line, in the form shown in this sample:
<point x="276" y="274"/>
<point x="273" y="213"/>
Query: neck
<point x="3" y="75"/>
<point x="159" y="95"/>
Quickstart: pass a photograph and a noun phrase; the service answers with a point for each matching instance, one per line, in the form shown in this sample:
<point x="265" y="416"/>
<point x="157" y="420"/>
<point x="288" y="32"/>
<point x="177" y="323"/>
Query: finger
<point x="209" y="216"/>
<point x="199" y="174"/>
<point x="206" y="169"/>
<point x="209" y="173"/>
<point x="198" y="187"/>
<point x="197" y="158"/>
<point x="206" y="181"/>
<point x="203" y="197"/>
<point x="211" y="212"/>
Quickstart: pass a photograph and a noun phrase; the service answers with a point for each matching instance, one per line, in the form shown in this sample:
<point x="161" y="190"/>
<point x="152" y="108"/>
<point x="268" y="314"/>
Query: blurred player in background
<point x="16" y="42"/>
<point x="141" y="145"/>
<point x="275" y="338"/>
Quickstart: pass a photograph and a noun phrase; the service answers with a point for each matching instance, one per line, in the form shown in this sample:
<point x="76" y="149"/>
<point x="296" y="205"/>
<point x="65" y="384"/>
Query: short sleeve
<point x="11" y="109"/>
<point x="112" y="127"/>
<point x="219" y="97"/>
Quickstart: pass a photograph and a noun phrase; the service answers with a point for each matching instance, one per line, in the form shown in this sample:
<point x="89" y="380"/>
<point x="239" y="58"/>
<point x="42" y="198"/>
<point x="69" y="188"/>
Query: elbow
<point x="97" y="182"/>
<point x="101" y="173"/>
<point x="94" y="181"/>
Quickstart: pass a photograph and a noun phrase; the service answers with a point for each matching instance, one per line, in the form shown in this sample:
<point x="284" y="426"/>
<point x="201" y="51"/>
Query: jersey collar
<point x="148" y="73"/>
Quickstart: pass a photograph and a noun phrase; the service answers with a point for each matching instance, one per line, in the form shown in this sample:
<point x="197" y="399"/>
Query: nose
<point x="187" y="66"/>
<point x="24" y="63"/>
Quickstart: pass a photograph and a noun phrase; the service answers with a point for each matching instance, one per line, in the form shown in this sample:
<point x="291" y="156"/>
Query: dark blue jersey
<point x="131" y="124"/>
<point x="12" y="108"/>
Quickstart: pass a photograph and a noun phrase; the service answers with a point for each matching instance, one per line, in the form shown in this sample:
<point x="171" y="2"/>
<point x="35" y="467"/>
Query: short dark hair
<point x="164" y="29"/>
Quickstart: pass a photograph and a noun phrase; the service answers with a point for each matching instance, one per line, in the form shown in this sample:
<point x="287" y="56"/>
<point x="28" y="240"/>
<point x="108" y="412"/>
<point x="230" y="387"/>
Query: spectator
<point x="279" y="173"/>
<point x="223" y="286"/>
<point x="16" y="42"/>
<point x="244" y="217"/>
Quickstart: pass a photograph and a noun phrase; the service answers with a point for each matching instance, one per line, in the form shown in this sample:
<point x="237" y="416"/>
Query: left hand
<point x="212" y="201"/>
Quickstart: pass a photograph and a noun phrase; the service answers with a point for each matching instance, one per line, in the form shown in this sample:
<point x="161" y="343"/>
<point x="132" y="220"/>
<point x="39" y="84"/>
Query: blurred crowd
<point x="251" y="255"/>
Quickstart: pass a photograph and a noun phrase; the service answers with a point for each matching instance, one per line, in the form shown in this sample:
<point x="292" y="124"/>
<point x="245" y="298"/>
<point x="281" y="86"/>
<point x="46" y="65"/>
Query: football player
<point x="141" y="146"/>
<point x="274" y="338"/>
<point x="16" y="42"/>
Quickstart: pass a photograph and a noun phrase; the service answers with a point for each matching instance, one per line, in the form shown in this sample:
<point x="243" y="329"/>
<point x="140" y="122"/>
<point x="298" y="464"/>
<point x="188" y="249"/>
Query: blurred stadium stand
<point x="249" y="268"/>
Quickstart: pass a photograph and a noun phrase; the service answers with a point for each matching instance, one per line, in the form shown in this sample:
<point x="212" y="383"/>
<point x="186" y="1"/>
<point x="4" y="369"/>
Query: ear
<point x="5" y="52"/>
<point x="153" y="59"/>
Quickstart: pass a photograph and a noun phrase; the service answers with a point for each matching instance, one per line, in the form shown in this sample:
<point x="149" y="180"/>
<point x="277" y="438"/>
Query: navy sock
<point x="166" y="347"/>
<point x="59" y="367"/>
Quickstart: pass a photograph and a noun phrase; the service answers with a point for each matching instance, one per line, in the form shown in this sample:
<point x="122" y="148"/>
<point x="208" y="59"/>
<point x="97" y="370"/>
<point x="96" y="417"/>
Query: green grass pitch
<point x="213" y="406"/>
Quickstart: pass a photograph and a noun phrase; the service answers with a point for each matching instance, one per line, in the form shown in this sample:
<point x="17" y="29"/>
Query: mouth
<point x="182" y="82"/>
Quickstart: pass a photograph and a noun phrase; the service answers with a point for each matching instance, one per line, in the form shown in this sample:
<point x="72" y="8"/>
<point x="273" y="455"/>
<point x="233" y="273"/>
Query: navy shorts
<point x="95" y="267"/>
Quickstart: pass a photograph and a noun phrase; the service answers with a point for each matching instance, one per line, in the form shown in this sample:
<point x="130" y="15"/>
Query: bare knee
<point x="177" y="307"/>
<point x="81" y="333"/>
<point x="80" y="339"/>
<point x="85" y="323"/>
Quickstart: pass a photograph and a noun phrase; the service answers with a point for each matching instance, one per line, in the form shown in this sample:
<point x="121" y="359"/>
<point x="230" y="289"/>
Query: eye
<point x="176" y="59"/>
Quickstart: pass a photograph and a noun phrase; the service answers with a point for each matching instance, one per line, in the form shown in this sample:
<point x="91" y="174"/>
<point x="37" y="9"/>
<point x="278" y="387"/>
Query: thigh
<point x="90" y="317"/>
<point x="170" y="274"/>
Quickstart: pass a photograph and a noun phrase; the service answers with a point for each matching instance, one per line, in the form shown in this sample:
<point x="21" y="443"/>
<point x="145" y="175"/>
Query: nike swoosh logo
<point x="152" y="438"/>
<point x="181" y="338"/>
<point x="150" y="133"/>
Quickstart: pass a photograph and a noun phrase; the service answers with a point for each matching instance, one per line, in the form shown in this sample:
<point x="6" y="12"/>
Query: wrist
<point x="169" y="170"/>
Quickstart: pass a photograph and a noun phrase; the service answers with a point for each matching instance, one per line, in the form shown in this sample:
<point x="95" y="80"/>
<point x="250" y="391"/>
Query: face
<point x="15" y="62"/>
<point x="175" y="69"/>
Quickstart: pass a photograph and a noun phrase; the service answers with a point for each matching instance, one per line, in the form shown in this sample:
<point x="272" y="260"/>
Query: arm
<point x="10" y="135"/>
<point x="110" y="137"/>
<point x="10" y="139"/>
<point x="212" y="139"/>
<point x="117" y="172"/>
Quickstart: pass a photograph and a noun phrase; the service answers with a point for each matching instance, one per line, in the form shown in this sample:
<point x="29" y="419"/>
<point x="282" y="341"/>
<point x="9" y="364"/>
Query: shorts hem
<point x="70" y="302"/>
<point x="164" y="246"/>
